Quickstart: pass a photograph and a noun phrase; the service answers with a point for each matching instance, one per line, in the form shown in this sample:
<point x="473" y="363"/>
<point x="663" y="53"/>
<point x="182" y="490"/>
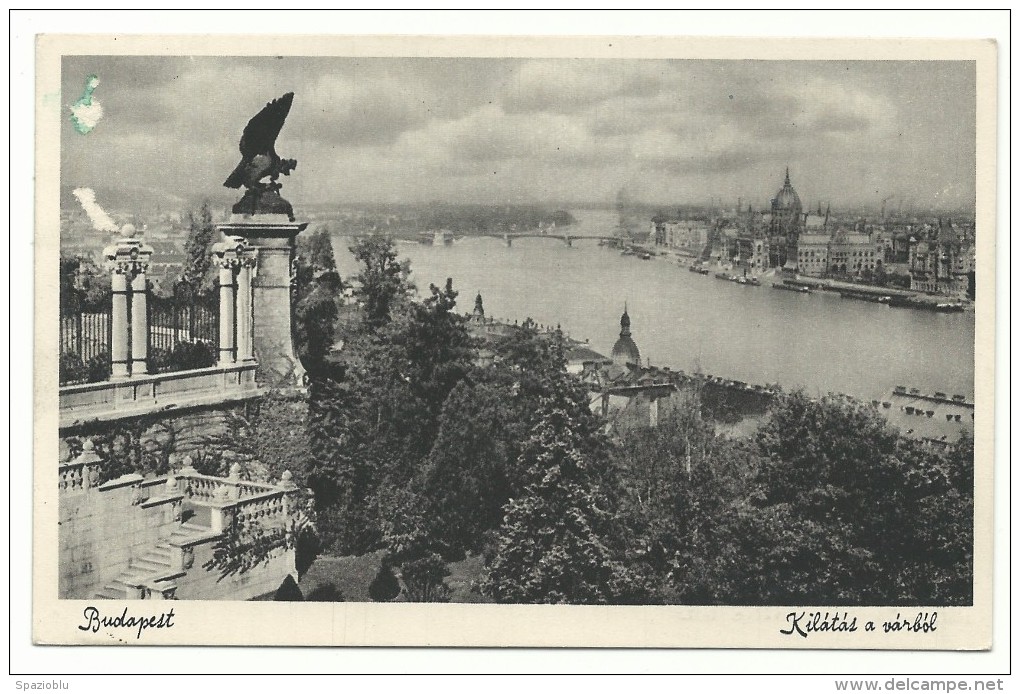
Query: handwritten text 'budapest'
<point x="94" y="620"/>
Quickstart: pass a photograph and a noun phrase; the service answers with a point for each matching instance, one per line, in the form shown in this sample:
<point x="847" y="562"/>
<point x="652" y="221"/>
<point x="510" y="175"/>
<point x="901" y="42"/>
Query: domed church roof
<point x="786" y="198"/>
<point x="625" y="351"/>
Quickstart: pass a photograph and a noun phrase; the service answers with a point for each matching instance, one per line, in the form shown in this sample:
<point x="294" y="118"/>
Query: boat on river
<point x="867" y="296"/>
<point x="800" y="289"/>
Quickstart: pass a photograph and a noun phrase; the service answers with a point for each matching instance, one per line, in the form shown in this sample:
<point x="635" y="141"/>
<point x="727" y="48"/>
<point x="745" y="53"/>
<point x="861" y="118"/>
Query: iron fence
<point x="85" y="337"/>
<point x="183" y="329"/>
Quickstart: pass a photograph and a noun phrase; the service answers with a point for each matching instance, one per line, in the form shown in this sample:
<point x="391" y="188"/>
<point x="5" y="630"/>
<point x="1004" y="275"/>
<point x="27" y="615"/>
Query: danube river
<point x="818" y="342"/>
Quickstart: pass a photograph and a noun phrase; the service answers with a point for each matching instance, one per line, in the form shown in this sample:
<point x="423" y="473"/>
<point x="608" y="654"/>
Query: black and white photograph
<point x="379" y="332"/>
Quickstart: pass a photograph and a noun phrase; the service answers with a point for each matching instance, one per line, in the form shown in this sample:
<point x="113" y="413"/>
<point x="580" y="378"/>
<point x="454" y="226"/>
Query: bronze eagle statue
<point x="259" y="160"/>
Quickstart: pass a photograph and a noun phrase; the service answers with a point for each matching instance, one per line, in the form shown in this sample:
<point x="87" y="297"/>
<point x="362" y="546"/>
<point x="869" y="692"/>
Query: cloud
<point x="371" y="128"/>
<point x="569" y="86"/>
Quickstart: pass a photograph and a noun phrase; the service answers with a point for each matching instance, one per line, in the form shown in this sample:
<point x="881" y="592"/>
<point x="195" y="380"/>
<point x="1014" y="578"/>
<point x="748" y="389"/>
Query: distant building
<point x="942" y="261"/>
<point x="823" y="250"/>
<point x="689" y="235"/>
<point x="583" y="360"/>
<point x="854" y="253"/>
<point x="625" y="351"/>
<point x="478" y="314"/>
<point x="785" y="226"/>
<point x="813" y="253"/>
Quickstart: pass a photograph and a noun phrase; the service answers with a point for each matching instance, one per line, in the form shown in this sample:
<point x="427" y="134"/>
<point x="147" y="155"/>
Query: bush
<point x="183" y="357"/>
<point x="326" y="593"/>
<point x="98" y="368"/>
<point x="74" y="370"/>
<point x="384" y="586"/>
<point x="289" y="591"/>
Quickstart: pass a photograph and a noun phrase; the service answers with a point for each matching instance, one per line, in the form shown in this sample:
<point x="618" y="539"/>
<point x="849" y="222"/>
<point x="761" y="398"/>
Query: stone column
<point x="245" y="349"/>
<point x="128" y="260"/>
<point x="228" y="322"/>
<point x="119" y="347"/>
<point x="272" y="238"/>
<point x="139" y="324"/>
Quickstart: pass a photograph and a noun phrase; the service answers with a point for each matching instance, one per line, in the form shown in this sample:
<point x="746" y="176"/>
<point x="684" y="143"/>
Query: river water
<point x="684" y="320"/>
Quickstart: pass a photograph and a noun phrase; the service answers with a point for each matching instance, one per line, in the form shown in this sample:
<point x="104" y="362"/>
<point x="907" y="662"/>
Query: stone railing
<point x="201" y="487"/>
<point x="269" y="510"/>
<point x="232" y="500"/>
<point x="140" y="395"/>
<point x="82" y="472"/>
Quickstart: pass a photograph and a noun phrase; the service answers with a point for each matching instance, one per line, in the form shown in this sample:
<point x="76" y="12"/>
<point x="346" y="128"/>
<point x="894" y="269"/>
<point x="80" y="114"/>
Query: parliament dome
<point x="786" y="199"/>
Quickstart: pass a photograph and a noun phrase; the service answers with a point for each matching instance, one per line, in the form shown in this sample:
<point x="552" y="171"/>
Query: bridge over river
<point x="568" y="239"/>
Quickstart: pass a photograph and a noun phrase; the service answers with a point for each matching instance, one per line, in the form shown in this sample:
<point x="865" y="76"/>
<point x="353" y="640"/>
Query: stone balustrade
<point x="82" y="472"/>
<point x="132" y="391"/>
<point x="146" y="394"/>
<point x="233" y="500"/>
<point x="105" y="527"/>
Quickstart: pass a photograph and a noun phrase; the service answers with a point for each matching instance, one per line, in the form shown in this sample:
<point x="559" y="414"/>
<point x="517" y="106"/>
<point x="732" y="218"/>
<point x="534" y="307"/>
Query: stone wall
<point x="104" y="527"/>
<point x="210" y="584"/>
<point x="154" y="444"/>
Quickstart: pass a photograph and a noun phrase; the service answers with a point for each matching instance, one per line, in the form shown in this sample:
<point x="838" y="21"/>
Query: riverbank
<point x="891" y="296"/>
<point x="815" y="341"/>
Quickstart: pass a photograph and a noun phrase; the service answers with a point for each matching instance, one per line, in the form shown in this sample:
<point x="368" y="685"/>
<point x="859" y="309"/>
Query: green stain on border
<point x="84" y="101"/>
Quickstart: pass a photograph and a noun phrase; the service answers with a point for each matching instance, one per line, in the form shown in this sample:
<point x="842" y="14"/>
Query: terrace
<point x="131" y="353"/>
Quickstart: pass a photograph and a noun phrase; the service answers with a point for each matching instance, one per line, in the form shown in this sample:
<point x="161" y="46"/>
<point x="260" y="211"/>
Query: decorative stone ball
<point x="128" y="231"/>
<point x="189" y="467"/>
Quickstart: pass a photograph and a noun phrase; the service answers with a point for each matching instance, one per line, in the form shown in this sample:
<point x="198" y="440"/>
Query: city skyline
<point x="465" y="130"/>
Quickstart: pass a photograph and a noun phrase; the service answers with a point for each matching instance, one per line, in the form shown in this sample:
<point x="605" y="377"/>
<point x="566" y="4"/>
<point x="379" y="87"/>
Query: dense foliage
<point x="184" y="355"/>
<point x="199" y="271"/>
<point x="827" y="505"/>
<point x="84" y="286"/>
<point x="415" y="449"/>
<point x="317" y="300"/>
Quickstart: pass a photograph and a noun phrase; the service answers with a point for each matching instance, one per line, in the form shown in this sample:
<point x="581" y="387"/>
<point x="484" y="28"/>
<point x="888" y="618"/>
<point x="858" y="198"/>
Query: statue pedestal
<point x="273" y="237"/>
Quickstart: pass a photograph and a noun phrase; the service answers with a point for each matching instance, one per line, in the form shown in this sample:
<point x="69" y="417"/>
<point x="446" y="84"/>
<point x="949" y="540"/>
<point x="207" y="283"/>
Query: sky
<point x="479" y="130"/>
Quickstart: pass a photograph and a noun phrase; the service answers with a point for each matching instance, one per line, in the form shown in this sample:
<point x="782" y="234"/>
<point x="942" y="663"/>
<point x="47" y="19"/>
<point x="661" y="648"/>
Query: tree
<point x="384" y="586"/>
<point x="845" y="511"/>
<point x="412" y="546"/>
<point x="319" y="249"/>
<point x="317" y="300"/>
<point x="383" y="279"/>
<point x="84" y="286"/>
<point x="343" y="478"/>
<point x="933" y="554"/>
<point x="465" y="480"/>
<point x="400" y="374"/>
<point x="680" y="482"/>
<point x="199" y="271"/>
<point x="556" y="543"/>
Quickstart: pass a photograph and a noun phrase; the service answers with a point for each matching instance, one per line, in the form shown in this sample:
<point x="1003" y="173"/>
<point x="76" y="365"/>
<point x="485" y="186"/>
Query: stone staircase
<point x="156" y="568"/>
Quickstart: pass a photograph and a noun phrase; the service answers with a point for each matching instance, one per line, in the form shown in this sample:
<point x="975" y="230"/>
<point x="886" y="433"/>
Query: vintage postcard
<point x="559" y="342"/>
